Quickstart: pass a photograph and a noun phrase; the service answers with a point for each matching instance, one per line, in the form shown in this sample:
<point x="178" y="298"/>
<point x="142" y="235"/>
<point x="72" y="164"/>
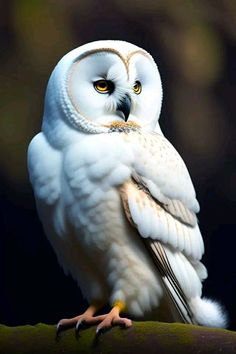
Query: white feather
<point x="208" y="313"/>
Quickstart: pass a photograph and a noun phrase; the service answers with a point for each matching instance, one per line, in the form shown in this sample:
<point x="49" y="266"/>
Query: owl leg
<point x="113" y="318"/>
<point x="87" y="318"/>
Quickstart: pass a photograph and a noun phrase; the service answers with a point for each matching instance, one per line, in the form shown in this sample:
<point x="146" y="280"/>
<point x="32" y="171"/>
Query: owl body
<point x="114" y="196"/>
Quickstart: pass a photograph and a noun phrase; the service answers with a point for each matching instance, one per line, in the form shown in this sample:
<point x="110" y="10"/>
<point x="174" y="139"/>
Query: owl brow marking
<point x="100" y="50"/>
<point x="145" y="54"/>
<point x="138" y="51"/>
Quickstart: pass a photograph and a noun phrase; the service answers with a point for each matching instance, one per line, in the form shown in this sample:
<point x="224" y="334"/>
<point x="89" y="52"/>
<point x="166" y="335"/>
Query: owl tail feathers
<point x="208" y="313"/>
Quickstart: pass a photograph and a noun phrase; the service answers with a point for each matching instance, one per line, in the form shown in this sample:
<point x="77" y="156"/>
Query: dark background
<point x="193" y="43"/>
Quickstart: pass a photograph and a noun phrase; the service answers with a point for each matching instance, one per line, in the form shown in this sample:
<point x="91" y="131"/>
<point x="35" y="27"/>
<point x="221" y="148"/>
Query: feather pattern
<point x="162" y="171"/>
<point x="153" y="221"/>
<point x="170" y="281"/>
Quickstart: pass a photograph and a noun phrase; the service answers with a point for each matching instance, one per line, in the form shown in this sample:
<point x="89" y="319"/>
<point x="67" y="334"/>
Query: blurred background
<point x="193" y="42"/>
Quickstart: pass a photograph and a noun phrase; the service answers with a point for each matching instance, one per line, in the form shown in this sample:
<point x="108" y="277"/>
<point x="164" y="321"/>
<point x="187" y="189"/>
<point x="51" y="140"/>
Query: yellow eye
<point x="137" y="87"/>
<point x="103" y="86"/>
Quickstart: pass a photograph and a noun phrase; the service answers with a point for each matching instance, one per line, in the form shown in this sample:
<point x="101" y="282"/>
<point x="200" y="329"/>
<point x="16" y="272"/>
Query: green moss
<point x="143" y="337"/>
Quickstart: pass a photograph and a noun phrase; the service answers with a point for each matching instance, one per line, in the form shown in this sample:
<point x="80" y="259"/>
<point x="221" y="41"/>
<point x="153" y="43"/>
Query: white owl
<point x="114" y="196"/>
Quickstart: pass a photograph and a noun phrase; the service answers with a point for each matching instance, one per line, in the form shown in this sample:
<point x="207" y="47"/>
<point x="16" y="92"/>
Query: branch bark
<point x="143" y="337"/>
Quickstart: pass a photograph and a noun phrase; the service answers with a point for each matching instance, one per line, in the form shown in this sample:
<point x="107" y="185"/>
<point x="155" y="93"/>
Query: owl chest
<point x="98" y="218"/>
<point x="92" y="180"/>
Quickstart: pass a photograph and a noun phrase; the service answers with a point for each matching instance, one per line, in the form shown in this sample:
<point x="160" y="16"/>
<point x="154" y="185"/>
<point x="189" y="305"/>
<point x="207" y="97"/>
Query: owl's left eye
<point x="104" y="86"/>
<point x="137" y="87"/>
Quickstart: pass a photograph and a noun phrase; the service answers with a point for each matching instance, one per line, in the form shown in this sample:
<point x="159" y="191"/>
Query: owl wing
<point x="161" y="198"/>
<point x="159" y="201"/>
<point x="141" y="209"/>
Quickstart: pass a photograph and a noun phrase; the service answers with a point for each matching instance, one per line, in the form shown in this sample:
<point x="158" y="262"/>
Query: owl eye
<point x="137" y="87"/>
<point x="104" y="86"/>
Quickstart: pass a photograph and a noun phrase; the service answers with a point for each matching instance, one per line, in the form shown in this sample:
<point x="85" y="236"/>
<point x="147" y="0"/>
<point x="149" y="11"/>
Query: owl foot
<point x="113" y="319"/>
<point x="86" y="319"/>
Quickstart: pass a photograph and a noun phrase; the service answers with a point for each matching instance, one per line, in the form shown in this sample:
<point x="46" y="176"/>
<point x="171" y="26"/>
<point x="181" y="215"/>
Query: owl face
<point x="104" y="86"/>
<point x="104" y="82"/>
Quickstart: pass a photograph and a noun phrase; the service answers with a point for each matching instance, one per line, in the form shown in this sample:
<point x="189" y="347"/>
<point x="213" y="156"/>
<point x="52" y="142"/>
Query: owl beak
<point x="124" y="106"/>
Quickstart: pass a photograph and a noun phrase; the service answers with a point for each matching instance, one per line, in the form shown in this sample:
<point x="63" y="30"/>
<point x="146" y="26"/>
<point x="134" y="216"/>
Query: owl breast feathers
<point x="115" y="198"/>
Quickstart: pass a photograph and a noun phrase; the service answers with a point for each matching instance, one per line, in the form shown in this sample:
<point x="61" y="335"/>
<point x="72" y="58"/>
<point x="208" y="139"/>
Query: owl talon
<point x="86" y="319"/>
<point x="79" y="325"/>
<point x="98" y="332"/>
<point x="58" y="329"/>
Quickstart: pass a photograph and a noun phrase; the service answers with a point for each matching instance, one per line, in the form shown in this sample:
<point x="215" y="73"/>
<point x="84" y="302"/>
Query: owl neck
<point x="123" y="127"/>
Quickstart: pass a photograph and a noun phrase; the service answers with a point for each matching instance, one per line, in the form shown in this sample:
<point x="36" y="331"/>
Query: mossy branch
<point x="143" y="337"/>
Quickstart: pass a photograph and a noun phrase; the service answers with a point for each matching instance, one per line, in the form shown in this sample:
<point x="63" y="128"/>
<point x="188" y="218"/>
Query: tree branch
<point x="143" y="337"/>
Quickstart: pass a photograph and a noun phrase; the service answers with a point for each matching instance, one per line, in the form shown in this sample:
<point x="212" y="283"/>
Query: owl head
<point x="100" y="83"/>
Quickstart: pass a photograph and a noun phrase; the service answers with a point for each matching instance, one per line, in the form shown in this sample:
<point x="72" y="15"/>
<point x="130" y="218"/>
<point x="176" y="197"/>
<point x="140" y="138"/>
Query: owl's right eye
<point x="104" y="86"/>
